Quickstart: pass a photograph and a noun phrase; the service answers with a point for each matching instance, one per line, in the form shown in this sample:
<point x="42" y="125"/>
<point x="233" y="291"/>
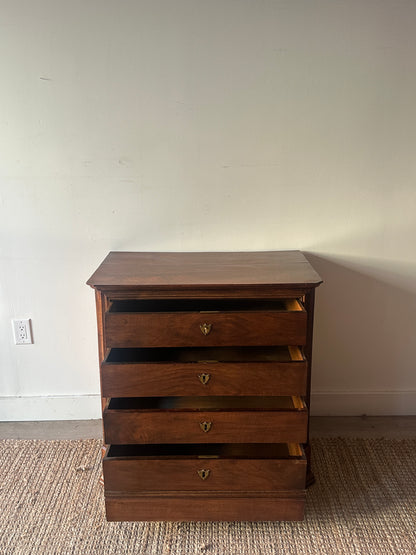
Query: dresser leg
<point x="310" y="477"/>
<point x="103" y="451"/>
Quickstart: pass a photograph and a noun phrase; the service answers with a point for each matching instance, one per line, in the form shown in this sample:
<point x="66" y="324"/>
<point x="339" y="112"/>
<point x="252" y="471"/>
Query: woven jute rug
<point x="364" y="501"/>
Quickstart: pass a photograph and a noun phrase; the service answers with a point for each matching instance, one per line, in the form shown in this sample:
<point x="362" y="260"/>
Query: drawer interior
<point x="208" y="451"/>
<point x="205" y="354"/>
<point x="205" y="305"/>
<point x="218" y="403"/>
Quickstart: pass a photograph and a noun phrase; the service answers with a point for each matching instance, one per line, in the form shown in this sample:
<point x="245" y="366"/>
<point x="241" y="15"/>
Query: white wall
<point x="208" y="125"/>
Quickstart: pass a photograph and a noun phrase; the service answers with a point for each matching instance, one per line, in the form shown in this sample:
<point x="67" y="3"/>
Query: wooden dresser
<point x="205" y="365"/>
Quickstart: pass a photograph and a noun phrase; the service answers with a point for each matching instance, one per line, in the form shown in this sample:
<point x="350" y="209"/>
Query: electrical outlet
<point x="22" y="332"/>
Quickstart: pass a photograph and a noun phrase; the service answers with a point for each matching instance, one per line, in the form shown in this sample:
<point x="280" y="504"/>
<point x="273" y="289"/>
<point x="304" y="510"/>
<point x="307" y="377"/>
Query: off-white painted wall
<point x="208" y="125"/>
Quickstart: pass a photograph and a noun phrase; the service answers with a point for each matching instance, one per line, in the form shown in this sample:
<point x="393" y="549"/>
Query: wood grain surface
<point x="148" y="269"/>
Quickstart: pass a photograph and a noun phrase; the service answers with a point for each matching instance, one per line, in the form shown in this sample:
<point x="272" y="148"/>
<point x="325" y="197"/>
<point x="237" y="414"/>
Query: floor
<point x="321" y="426"/>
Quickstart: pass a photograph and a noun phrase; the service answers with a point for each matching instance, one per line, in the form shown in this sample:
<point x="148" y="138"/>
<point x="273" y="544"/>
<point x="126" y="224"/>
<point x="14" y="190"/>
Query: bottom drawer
<point x="204" y="468"/>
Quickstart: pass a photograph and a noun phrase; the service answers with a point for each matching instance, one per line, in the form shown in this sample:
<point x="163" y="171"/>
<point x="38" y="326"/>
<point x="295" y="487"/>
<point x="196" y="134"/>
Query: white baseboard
<point x="358" y="403"/>
<point x="60" y="407"/>
<point x="323" y="403"/>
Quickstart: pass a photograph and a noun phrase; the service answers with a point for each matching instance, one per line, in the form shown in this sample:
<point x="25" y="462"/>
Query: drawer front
<point x="136" y="474"/>
<point x="200" y="379"/>
<point x="171" y="329"/>
<point x="131" y="427"/>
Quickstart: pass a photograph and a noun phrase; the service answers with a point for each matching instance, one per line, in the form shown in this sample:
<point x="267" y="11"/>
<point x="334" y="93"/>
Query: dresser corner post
<point x="100" y="306"/>
<point x="309" y="306"/>
<point x="101" y="303"/>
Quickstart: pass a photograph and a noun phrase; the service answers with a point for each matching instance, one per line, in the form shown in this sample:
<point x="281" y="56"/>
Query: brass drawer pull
<point x="205" y="328"/>
<point x="204" y="378"/>
<point x="205" y="426"/>
<point x="203" y="474"/>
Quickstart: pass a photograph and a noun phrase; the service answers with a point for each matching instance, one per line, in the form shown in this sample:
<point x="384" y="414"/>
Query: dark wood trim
<point x="205" y="509"/>
<point x="268" y="292"/>
<point x="101" y="306"/>
<point x="310" y="308"/>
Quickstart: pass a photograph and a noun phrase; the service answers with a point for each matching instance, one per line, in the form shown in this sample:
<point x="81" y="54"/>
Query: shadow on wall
<point x="364" y="337"/>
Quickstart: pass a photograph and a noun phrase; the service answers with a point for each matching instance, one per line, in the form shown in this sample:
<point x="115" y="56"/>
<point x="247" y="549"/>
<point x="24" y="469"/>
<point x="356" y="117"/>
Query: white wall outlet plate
<point x="22" y="332"/>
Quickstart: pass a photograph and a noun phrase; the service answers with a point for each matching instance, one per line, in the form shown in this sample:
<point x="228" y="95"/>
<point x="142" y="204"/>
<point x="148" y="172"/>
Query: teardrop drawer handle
<point x="205" y="328"/>
<point x="205" y="426"/>
<point x="203" y="474"/>
<point x="204" y="378"/>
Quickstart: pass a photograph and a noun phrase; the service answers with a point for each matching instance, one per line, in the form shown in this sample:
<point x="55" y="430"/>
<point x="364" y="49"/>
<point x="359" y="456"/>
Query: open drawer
<point x="201" y="467"/>
<point x="204" y="323"/>
<point x="205" y="420"/>
<point x="203" y="371"/>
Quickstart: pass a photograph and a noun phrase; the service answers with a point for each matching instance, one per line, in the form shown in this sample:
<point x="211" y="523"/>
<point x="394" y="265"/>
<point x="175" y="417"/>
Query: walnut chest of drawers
<point x="205" y="363"/>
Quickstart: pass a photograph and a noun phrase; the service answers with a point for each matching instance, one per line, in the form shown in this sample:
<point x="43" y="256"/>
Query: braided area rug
<point x="364" y="501"/>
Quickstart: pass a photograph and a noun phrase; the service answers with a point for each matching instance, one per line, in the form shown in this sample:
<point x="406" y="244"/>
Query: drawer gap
<point x="208" y="355"/>
<point x="205" y="305"/>
<point x="208" y="451"/>
<point x="218" y="403"/>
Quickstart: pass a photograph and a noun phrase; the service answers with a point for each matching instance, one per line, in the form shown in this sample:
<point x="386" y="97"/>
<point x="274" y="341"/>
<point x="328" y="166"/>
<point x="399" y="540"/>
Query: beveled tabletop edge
<point x="204" y="269"/>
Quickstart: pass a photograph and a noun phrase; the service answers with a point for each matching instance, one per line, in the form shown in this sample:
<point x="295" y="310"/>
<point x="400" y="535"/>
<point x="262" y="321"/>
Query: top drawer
<point x="204" y="323"/>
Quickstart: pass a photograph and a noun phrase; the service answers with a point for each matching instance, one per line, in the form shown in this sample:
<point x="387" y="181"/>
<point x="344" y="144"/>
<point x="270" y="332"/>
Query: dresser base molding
<point x="202" y="508"/>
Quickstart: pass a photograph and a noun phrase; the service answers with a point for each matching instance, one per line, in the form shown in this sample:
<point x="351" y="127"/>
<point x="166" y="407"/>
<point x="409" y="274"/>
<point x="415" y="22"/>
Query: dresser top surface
<point x="204" y="269"/>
